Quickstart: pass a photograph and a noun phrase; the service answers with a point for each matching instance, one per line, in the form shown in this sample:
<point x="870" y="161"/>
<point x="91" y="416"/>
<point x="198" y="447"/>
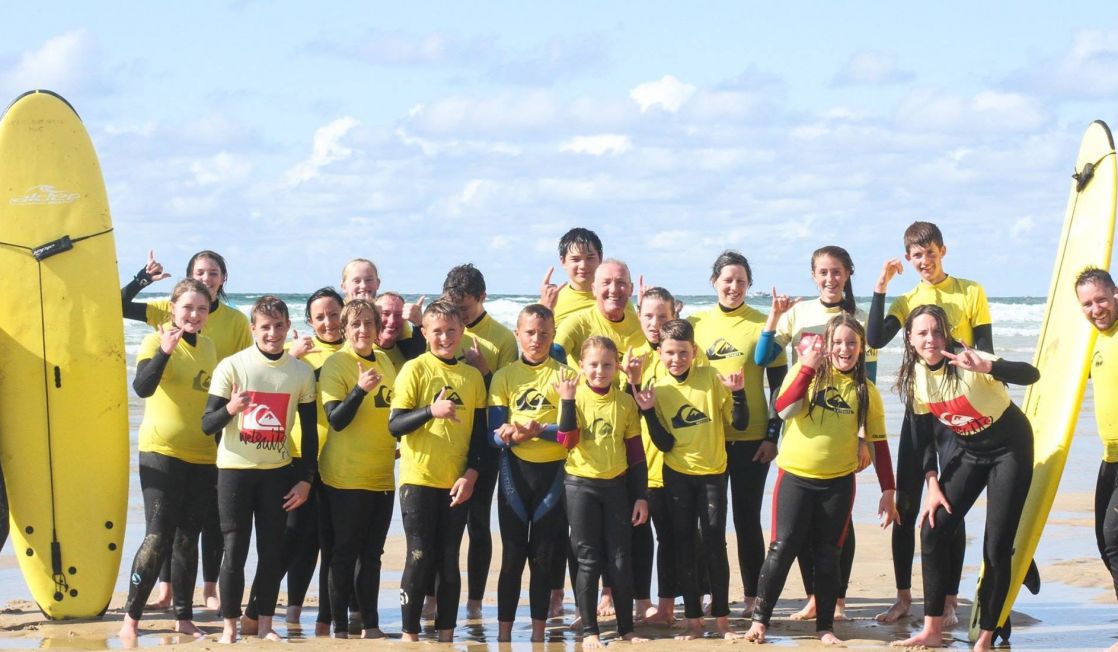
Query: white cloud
<point x="1088" y="69"/>
<point x="871" y="68"/>
<point x="669" y="93"/>
<point x="1022" y="226"/>
<point x="63" y="63"/>
<point x="222" y="168"/>
<point x="987" y="110"/>
<point x="328" y="148"/>
<point x="599" y="145"/>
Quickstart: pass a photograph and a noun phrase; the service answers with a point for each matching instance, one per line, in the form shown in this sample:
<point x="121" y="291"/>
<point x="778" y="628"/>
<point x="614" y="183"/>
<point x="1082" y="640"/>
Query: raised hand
<point x="969" y="360"/>
<point x="413" y="312"/>
<point x="549" y="292"/>
<point x="812" y="354"/>
<point x="444" y="408"/>
<point x="567" y="386"/>
<point x="646" y="398"/>
<point x="475" y="359"/>
<point x="154" y="268"/>
<point x="733" y="382"/>
<point x="640" y="288"/>
<point x="169" y="338"/>
<point x="367" y="379"/>
<point x="301" y="346"/>
<point x="634" y="367"/>
<point x="781" y="303"/>
<point x="238" y="401"/>
<point x="891" y="268"/>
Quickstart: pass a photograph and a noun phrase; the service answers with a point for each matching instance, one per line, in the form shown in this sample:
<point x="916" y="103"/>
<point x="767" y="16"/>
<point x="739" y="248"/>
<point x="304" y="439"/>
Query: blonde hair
<point x="357" y="261"/>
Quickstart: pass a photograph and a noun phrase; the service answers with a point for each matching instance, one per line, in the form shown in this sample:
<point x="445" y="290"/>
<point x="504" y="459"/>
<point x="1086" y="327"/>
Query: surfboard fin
<point x="1032" y="578"/>
<point x="1004" y="631"/>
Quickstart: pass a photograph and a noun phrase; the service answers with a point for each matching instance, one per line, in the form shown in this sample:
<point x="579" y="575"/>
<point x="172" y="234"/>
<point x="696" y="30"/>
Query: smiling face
<point x="1098" y="303"/>
<point x="207" y="271"/>
<point x="190" y="310"/>
<point x="580" y="264"/>
<point x="846" y="346"/>
<point x="731" y="284"/>
<point x="534" y="335"/>
<point x="391" y="319"/>
<point x="654" y="313"/>
<point x="326" y="319"/>
<point x="927" y="261"/>
<point x="927" y="338"/>
<point x="360" y="281"/>
<point x="612" y="289"/>
<point x="599" y="366"/>
<point x="361" y="331"/>
<point x="830" y="276"/>
<point x="442" y="334"/>
<point x="677" y="356"/>
<point x="269" y="332"/>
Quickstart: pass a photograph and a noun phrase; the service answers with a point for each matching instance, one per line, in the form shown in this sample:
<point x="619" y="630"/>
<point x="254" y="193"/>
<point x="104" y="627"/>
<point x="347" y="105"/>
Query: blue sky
<point x="292" y="137"/>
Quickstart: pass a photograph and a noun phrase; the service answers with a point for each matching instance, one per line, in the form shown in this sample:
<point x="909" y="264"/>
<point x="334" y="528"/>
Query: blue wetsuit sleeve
<point x="497" y="415"/>
<point x="558" y="353"/>
<point x="550" y="432"/>
<point x="766" y="349"/>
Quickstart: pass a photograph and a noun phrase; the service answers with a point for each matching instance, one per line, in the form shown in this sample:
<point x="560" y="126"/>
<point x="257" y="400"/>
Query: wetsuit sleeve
<point x="740" y="416"/>
<point x="413" y="346"/>
<point x="215" y="416"/>
<point x="922" y="425"/>
<point x="880" y="330"/>
<point x="766" y="349"/>
<point x="659" y="435"/>
<point x="135" y="310"/>
<point x="567" y="434"/>
<point x="984" y="338"/>
<point x="479" y="456"/>
<point x="791" y="400"/>
<point x="402" y="422"/>
<point x="1015" y="373"/>
<point x="637" y="476"/>
<point x="558" y="353"/>
<point x="307" y="465"/>
<point x="341" y="413"/>
<point x="497" y="416"/>
<point x="883" y="466"/>
<point x="775" y="376"/>
<point x="149" y="372"/>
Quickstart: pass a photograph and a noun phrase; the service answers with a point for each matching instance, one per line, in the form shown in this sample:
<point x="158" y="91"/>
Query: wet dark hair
<point x="922" y="234"/>
<point x="824" y="377"/>
<point x="906" y="376"/>
<point x="843" y="256"/>
<point x="270" y="305"/>
<point x="355" y="307"/>
<point x="726" y="259"/>
<point x="657" y="292"/>
<point x="323" y="293"/>
<point x="679" y="330"/>
<point x="584" y="239"/>
<point x="1099" y="277"/>
<point x="214" y="256"/>
<point x="464" y="281"/>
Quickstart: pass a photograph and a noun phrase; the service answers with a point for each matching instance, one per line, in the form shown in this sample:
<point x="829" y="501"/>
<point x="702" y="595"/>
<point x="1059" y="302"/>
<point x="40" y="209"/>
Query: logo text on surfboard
<point x="45" y="194"/>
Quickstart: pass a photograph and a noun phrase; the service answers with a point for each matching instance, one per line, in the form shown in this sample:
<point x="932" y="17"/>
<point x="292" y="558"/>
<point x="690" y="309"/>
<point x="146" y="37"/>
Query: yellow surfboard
<point x="63" y="407"/>
<point x="1063" y="350"/>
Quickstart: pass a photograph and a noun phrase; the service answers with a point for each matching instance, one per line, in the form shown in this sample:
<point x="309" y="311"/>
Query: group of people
<point x="610" y="432"/>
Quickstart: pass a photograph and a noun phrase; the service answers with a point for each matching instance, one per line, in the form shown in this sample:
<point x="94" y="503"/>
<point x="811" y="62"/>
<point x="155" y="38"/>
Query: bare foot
<point x="641" y="609"/>
<point x="539" y="630"/>
<point x="446" y="635"/>
<point x="592" y="642"/>
<point x="270" y="635"/>
<point x="756" y="633"/>
<point x="828" y="638"/>
<point x="930" y="636"/>
<point x="373" y="632"/>
<point x="228" y="631"/>
<point x="840" y="610"/>
<point x="661" y="614"/>
<point x="722" y="624"/>
<point x="473" y="609"/>
<point x="322" y="629"/>
<point x="209" y="595"/>
<point x="576" y="624"/>
<point x="750" y="605"/>
<point x="129" y="630"/>
<point x="693" y="630"/>
<point x="898" y="610"/>
<point x="264" y="630"/>
<point x="409" y="638"/>
<point x="555" y="609"/>
<point x="504" y="630"/>
<point x="249" y="626"/>
<point x="430" y="608"/>
<point x="605" y="605"/>
<point x="292" y="613"/>
<point x="950" y="608"/>
<point x="808" y="612"/>
<point x="188" y="627"/>
<point x="985" y="641"/>
<point x="633" y="638"/>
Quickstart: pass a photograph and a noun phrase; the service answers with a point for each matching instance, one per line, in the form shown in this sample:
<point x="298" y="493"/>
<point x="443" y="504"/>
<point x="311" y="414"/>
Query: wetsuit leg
<point x="747" y="490"/>
<point x="448" y="541"/>
<point x="910" y="487"/>
<point x="682" y="497"/>
<point x="643" y="551"/>
<point x="660" y="515"/>
<point x="350" y="514"/>
<point x="300" y="543"/>
<point x="711" y="511"/>
<point x="946" y="443"/>
<point x="434" y="536"/>
<point x="163" y="481"/>
<point x="213" y="543"/>
<point x="235" y="489"/>
<point x="617" y="529"/>
<point x="369" y="559"/>
<point x="514" y="541"/>
<point x="325" y="527"/>
<point x="834" y="500"/>
<point x="792" y="512"/>
<point x="270" y="517"/>
<point x="586" y="513"/>
<point x="962" y="480"/>
<point x="846" y="560"/>
<point x="201" y="488"/>
<point x="1106" y="518"/>
<point x="479" y="554"/>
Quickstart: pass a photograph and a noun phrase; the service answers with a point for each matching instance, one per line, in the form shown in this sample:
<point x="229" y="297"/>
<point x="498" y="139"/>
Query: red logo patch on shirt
<point x="959" y="415"/>
<point x="264" y="421"/>
<point x="808" y="340"/>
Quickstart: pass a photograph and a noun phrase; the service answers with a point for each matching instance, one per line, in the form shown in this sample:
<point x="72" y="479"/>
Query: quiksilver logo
<point x="44" y="195"/>
<point x="689" y="415"/>
<point x="721" y="349"/>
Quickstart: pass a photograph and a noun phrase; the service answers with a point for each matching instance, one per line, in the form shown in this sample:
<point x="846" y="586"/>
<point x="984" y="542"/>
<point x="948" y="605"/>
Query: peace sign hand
<point x="169" y="338"/>
<point x="969" y="360"/>
<point x="367" y="379"/>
